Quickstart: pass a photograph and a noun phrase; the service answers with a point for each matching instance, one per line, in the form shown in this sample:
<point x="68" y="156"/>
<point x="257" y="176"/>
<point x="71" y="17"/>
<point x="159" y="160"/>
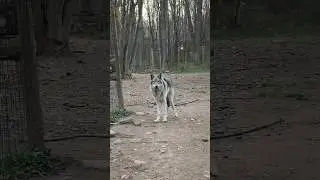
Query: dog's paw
<point x="164" y="120"/>
<point x="175" y="114"/>
<point x="156" y="120"/>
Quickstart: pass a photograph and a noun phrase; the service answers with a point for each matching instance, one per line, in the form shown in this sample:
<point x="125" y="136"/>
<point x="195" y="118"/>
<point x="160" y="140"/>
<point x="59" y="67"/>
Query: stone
<point x="126" y="120"/>
<point x="112" y="133"/>
<point x="162" y="151"/>
<point x="125" y="176"/>
<point x="137" y="122"/>
<point x="138" y="162"/>
<point x="135" y="140"/>
<point x="118" y="141"/>
<point x="140" y="113"/>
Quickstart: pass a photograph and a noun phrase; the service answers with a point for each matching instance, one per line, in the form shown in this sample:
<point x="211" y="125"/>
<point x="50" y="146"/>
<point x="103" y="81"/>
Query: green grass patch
<point x="25" y="165"/>
<point x="119" y="113"/>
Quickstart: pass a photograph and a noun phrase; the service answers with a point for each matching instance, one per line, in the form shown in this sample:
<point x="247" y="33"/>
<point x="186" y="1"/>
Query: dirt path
<point x="178" y="149"/>
<point x="281" y="81"/>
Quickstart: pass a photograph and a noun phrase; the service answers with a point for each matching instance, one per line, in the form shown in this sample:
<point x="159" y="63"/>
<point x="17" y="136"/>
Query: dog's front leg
<point x="165" y="110"/>
<point x="158" y="113"/>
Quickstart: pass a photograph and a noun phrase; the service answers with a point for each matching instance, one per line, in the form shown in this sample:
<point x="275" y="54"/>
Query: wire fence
<point x="12" y="107"/>
<point x="13" y="119"/>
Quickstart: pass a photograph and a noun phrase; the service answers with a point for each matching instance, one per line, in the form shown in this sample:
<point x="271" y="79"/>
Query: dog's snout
<point x="156" y="87"/>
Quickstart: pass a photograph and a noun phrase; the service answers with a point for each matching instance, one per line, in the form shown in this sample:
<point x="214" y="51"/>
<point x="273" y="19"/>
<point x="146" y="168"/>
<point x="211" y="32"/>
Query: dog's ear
<point x="160" y="75"/>
<point x="151" y="76"/>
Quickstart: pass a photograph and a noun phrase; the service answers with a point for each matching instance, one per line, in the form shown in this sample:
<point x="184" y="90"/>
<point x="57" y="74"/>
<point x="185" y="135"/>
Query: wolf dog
<point x="163" y="93"/>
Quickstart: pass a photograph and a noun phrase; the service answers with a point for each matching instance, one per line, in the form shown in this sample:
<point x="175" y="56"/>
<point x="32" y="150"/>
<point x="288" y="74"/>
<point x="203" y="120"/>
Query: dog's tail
<point x="168" y="102"/>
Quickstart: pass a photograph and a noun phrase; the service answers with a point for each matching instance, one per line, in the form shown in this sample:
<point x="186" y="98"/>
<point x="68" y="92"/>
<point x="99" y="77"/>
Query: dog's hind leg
<point x="172" y="103"/>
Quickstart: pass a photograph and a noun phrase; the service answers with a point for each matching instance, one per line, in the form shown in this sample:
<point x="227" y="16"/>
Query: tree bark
<point x="86" y="5"/>
<point x="236" y="21"/>
<point x="53" y="20"/>
<point x="193" y="50"/>
<point x="163" y="28"/>
<point x="117" y="63"/>
<point x="153" y="47"/>
<point x="126" y="39"/>
<point x="138" y="30"/>
<point x="176" y="34"/>
<point x="40" y="22"/>
<point x="35" y="131"/>
<point x="69" y="8"/>
<point x="216" y="13"/>
<point x="198" y="32"/>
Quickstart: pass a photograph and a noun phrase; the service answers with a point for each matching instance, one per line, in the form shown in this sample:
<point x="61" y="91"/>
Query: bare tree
<point x="198" y="31"/>
<point x="153" y="36"/>
<point x="155" y="41"/>
<point x="237" y="5"/>
<point x="174" y="14"/>
<point x="40" y="28"/>
<point x="114" y="26"/>
<point x="138" y="32"/>
<point x="53" y="20"/>
<point x="35" y="131"/>
<point x="163" y="28"/>
<point x="125" y="38"/>
<point x="192" y="34"/>
<point x="216" y="12"/>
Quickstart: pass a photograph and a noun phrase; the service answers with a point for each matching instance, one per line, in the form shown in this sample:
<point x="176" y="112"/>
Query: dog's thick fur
<point x="163" y="93"/>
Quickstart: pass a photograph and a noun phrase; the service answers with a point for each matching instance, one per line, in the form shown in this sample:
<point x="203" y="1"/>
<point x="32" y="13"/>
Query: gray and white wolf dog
<point x="163" y="93"/>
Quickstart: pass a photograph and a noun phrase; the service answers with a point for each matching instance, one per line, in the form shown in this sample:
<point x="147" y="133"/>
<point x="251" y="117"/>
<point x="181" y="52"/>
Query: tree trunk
<point x="237" y="4"/>
<point x="86" y="5"/>
<point x="198" y="32"/>
<point x="127" y="41"/>
<point x="69" y="8"/>
<point x="192" y="33"/>
<point x="169" y="51"/>
<point x="216" y="13"/>
<point x="34" y="113"/>
<point x="176" y="34"/>
<point x="105" y="18"/>
<point x="53" y="20"/>
<point x="130" y="37"/>
<point x="117" y="63"/>
<point x="38" y="11"/>
<point x="153" y="46"/>
<point x="163" y="28"/>
<point x="139" y="28"/>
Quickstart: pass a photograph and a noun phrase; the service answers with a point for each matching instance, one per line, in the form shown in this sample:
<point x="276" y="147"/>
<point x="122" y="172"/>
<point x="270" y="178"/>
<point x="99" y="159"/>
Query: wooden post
<point x="30" y="76"/>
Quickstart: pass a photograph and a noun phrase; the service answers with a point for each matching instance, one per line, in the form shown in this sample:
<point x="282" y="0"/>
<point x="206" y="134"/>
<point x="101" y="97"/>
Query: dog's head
<point x="157" y="82"/>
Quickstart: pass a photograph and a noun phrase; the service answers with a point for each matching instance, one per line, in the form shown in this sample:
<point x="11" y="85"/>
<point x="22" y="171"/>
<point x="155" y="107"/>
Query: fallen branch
<point x="74" y="106"/>
<point x="184" y="103"/>
<point x="153" y="103"/>
<point x="100" y="136"/>
<point x="248" y="131"/>
<point x="75" y="137"/>
<point x="312" y="139"/>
